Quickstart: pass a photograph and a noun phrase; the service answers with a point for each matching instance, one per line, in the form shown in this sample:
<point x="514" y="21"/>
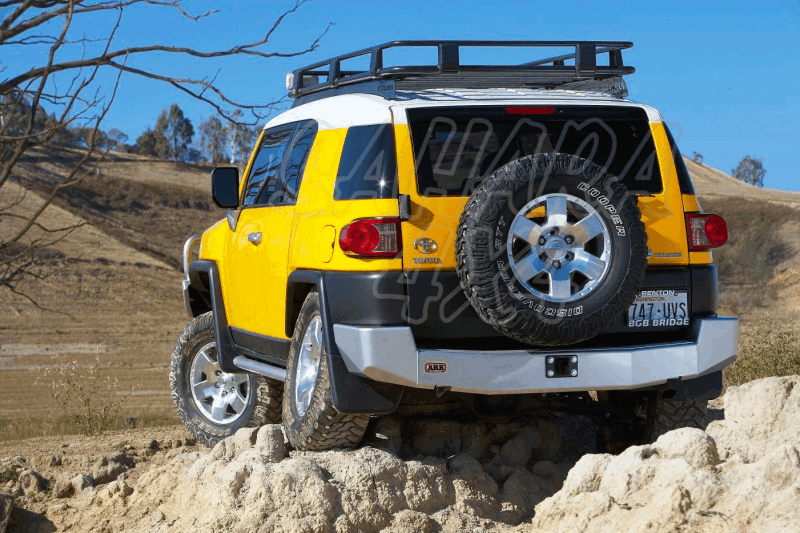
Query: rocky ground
<point x="741" y="474"/>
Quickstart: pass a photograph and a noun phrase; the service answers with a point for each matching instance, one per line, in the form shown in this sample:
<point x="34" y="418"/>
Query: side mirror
<point x="225" y="187"/>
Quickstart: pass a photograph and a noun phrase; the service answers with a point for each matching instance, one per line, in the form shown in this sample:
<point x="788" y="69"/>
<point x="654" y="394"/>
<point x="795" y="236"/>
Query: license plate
<point x="659" y="308"/>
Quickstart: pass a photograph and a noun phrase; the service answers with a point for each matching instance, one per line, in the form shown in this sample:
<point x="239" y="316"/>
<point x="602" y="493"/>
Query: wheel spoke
<point x="307" y="372"/>
<point x="206" y="363"/>
<point x="528" y="266"/>
<point x="239" y="379"/>
<point x="556" y="211"/>
<point x="587" y="264"/>
<point x="236" y="402"/>
<point x="526" y="229"/>
<point x="304" y="396"/>
<point x="218" y="409"/>
<point x="316" y="337"/>
<point x="204" y="390"/>
<point x="560" y="284"/>
<point x="587" y="229"/>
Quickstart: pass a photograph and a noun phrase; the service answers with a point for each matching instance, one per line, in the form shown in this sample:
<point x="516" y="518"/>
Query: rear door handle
<point x="254" y="238"/>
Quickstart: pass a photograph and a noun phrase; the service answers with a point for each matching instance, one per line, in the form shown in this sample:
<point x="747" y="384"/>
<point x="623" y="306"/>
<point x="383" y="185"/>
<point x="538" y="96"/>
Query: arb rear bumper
<point x="389" y="354"/>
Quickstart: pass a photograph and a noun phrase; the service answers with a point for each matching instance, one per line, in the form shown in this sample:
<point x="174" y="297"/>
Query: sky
<point x="724" y="75"/>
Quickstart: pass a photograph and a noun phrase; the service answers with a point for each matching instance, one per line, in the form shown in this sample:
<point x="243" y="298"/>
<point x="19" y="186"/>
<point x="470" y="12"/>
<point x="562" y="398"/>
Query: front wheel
<point x="211" y="403"/>
<point x="310" y="421"/>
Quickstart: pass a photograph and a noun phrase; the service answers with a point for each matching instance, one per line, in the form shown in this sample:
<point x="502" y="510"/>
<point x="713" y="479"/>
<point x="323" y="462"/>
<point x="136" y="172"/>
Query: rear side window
<point x="684" y="181"/>
<point x="264" y="179"/>
<point x="279" y="165"/>
<point x="368" y="166"/>
<point x="296" y="160"/>
<point x="456" y="148"/>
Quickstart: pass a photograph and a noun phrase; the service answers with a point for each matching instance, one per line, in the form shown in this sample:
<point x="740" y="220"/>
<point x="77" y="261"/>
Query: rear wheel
<point x="668" y="414"/>
<point x="642" y="417"/>
<point x="309" y="418"/>
<point x="211" y="403"/>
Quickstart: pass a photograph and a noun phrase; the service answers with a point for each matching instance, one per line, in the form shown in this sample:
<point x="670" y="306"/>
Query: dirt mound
<point x="743" y="474"/>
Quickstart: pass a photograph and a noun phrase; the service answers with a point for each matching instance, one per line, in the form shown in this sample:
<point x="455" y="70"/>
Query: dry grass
<point x="766" y="348"/>
<point x="32" y="427"/>
<point x="756" y="248"/>
<point x="90" y="401"/>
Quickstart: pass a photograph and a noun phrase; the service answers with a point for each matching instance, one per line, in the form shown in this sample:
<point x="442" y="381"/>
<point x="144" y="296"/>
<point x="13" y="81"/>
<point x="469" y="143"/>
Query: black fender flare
<point x="225" y="347"/>
<point x="351" y="394"/>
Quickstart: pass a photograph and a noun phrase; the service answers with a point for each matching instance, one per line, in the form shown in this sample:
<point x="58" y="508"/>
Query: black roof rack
<point x="327" y="78"/>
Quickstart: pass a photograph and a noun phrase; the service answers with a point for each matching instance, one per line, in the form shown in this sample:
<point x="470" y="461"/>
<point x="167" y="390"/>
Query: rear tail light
<point x="705" y="231"/>
<point x="371" y="237"/>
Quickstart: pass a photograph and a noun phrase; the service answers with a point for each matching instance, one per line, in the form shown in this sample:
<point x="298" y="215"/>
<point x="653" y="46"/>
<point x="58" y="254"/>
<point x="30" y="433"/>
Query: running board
<point x="259" y="368"/>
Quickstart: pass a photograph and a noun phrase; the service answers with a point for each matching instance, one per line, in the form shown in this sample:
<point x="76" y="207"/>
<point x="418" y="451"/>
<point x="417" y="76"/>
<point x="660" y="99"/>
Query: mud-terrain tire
<point x="257" y="399"/>
<point x="310" y="421"/>
<point x="667" y="415"/>
<point x="551" y="249"/>
<point x="642" y="417"/>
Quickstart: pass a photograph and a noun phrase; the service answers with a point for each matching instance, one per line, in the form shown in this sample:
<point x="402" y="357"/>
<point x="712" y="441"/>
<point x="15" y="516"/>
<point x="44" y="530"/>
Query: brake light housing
<point x="530" y="110"/>
<point x="372" y="237"/>
<point x="705" y="231"/>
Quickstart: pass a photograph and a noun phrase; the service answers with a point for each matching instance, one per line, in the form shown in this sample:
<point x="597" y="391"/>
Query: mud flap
<point x="351" y="394"/>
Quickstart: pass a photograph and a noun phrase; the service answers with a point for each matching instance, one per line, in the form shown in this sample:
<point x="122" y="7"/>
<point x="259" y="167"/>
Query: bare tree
<point x="241" y="138"/>
<point x="212" y="139"/>
<point x="43" y="31"/>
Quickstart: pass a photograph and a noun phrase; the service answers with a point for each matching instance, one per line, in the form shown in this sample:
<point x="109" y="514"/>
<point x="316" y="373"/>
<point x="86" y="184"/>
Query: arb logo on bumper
<point x="435" y="368"/>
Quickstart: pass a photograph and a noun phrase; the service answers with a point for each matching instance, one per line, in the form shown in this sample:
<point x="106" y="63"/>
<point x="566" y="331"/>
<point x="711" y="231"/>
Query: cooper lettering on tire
<point x="551" y="249"/>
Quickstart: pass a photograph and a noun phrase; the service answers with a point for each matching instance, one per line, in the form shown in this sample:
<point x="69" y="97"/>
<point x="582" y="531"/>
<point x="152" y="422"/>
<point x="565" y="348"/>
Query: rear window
<point x="368" y="167"/>
<point x="456" y="148"/>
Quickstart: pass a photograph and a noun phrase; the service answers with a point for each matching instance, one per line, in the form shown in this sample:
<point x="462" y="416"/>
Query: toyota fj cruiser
<point x="500" y="237"/>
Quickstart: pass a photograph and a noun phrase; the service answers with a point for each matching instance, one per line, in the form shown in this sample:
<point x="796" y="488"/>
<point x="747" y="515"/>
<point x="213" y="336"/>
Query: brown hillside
<point x="712" y="182"/>
<point x="148" y="204"/>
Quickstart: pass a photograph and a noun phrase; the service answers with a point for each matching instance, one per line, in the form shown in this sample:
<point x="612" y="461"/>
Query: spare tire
<point x="551" y="249"/>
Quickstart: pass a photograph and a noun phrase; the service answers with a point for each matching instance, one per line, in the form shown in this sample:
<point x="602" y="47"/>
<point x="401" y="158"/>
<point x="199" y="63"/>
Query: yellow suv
<point x="454" y="236"/>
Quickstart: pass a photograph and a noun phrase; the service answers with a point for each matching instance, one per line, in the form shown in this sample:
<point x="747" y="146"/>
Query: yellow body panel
<point x="319" y="219"/>
<point x="212" y="246"/>
<point x="253" y="277"/>
<point x="436" y="218"/>
<point x="303" y="236"/>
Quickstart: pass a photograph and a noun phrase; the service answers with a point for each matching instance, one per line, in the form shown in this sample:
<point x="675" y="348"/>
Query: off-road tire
<point x="321" y="427"/>
<point x="667" y="415"/>
<point x="264" y="405"/>
<point x="647" y="416"/>
<point x="485" y="272"/>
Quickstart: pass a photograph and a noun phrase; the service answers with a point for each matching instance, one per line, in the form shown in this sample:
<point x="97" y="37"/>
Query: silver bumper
<point x="389" y="354"/>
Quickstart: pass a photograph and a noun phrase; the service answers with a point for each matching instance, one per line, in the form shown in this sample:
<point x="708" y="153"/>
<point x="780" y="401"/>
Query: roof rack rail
<point x="450" y="72"/>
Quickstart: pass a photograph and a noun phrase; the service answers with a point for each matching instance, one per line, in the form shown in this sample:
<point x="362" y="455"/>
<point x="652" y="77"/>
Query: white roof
<point x="346" y="110"/>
